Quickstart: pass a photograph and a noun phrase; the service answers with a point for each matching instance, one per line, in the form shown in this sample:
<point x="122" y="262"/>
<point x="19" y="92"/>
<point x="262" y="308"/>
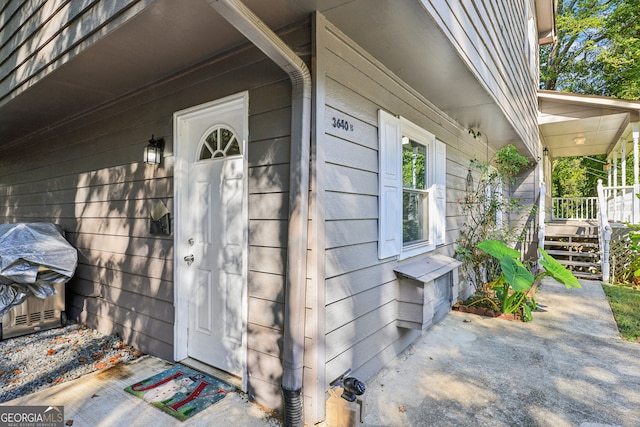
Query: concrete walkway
<point x="566" y="368"/>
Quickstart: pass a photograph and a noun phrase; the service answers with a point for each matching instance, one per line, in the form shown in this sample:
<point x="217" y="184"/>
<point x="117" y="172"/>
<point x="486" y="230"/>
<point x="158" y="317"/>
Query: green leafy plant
<point x="509" y="162"/>
<point x="513" y="286"/>
<point x="483" y="206"/>
<point x="625" y="255"/>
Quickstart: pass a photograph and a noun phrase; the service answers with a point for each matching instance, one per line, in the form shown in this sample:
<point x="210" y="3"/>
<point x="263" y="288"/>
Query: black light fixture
<point x="469" y="185"/>
<point x="351" y="386"/>
<point x="153" y="151"/>
<point x="545" y="152"/>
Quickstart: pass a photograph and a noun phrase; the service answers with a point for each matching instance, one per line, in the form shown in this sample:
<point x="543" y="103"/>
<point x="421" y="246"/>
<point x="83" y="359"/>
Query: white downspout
<point x="245" y="21"/>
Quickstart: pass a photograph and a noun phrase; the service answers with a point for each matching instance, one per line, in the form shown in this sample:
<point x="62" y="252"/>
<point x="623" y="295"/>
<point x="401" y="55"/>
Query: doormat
<point x="180" y="391"/>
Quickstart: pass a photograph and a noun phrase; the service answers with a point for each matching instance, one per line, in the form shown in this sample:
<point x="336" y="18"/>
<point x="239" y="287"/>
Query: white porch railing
<point x="613" y="204"/>
<point x="578" y="208"/>
<point x="620" y="203"/>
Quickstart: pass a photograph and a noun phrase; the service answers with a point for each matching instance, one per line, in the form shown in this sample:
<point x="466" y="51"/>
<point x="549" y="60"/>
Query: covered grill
<point x="35" y="263"/>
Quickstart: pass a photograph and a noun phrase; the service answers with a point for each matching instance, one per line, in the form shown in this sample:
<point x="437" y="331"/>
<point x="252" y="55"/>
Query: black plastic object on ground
<point x="33" y="257"/>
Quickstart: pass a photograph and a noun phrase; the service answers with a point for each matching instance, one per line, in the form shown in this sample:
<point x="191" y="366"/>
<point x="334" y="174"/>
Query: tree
<point x="568" y="177"/>
<point x="597" y="51"/>
<point x="577" y="176"/>
<point x="620" y="61"/>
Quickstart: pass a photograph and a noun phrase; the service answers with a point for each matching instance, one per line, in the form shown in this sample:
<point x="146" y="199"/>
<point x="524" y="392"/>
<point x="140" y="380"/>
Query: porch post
<point x="615" y="168"/>
<point x="623" y="165"/>
<point x="623" y="178"/>
<point x="616" y="214"/>
<point x="636" y="184"/>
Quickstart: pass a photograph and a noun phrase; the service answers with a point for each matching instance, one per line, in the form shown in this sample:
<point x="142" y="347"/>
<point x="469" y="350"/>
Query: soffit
<point x="602" y="121"/>
<point x="169" y="36"/>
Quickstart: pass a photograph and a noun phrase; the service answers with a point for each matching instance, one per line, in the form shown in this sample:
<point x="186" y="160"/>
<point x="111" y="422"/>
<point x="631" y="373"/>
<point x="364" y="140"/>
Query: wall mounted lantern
<point x="153" y="151"/>
<point x="468" y="187"/>
<point x="545" y="152"/>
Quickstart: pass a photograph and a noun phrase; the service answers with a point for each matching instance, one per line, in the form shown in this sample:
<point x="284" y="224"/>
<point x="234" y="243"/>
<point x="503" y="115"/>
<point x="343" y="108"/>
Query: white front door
<point x="211" y="233"/>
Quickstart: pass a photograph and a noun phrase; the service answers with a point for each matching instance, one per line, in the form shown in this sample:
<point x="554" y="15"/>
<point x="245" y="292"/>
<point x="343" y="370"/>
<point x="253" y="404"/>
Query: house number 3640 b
<point x="342" y="124"/>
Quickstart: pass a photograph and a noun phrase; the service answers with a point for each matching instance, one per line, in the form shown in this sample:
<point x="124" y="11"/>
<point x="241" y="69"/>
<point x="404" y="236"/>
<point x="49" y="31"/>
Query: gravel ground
<point x="40" y="360"/>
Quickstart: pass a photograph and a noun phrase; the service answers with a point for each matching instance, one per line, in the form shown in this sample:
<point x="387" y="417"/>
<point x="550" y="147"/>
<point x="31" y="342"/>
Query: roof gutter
<point x="245" y="21"/>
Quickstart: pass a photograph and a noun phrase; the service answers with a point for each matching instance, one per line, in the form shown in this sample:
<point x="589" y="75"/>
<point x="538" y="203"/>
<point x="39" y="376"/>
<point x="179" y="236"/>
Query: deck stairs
<point x="574" y="244"/>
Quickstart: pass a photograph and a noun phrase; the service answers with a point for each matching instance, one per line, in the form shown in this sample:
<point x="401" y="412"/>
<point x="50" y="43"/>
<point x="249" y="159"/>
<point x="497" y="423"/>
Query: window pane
<point x="205" y="153"/>
<point x="414" y="161"/>
<point x="415" y="217"/>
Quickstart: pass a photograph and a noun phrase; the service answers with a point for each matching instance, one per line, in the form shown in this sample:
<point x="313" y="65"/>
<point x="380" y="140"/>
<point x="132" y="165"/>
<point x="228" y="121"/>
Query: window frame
<point x="390" y="223"/>
<point x="426" y="139"/>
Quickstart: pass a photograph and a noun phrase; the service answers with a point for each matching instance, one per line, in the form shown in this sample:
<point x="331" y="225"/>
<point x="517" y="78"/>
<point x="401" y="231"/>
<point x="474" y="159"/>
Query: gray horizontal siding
<point x="88" y="176"/>
<point x="359" y="290"/>
<point x="490" y="36"/>
<point x="37" y="37"/>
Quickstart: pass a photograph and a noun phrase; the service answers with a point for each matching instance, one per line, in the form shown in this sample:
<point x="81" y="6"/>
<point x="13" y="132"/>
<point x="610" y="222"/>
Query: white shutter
<point x="440" y="169"/>
<point x="390" y="181"/>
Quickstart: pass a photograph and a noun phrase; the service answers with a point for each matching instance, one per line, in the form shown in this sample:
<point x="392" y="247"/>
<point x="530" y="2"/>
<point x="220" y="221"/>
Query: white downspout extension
<point x="245" y="21"/>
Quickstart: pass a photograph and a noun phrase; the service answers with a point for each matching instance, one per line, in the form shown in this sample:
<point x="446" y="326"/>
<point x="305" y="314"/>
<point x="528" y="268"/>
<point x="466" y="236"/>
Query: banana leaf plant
<point x="513" y="285"/>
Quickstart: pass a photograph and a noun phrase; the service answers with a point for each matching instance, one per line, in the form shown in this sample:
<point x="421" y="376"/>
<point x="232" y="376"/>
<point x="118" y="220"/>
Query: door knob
<point x="189" y="259"/>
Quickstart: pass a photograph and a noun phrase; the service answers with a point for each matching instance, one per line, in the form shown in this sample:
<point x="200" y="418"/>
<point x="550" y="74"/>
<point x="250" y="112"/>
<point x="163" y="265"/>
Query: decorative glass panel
<point x="220" y="143"/>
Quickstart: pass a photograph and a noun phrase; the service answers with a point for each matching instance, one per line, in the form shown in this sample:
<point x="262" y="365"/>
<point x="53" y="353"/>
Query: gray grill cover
<point x="33" y="256"/>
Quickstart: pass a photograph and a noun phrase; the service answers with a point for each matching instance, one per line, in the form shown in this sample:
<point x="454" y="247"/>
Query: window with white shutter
<point x="412" y="198"/>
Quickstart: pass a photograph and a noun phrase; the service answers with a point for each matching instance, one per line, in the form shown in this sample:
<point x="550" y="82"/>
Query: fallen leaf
<point x="82" y="359"/>
<point x="17" y="372"/>
<point x="51" y="352"/>
<point x="1" y="373"/>
<point x="114" y="360"/>
<point x="59" y="380"/>
<point x="101" y="365"/>
<point x="402" y="409"/>
<point x="69" y="423"/>
<point x="95" y="395"/>
<point x="97" y="356"/>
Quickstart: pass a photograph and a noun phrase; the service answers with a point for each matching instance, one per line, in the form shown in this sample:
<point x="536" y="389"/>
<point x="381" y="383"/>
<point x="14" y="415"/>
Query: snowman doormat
<point x="181" y="391"/>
